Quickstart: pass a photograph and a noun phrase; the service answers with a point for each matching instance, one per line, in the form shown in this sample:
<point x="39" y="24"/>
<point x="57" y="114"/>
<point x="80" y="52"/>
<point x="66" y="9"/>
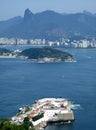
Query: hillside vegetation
<point x="45" y="54"/>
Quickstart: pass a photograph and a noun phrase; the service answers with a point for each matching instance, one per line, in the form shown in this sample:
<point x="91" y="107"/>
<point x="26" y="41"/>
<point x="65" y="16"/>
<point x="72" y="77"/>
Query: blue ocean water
<point x="22" y="82"/>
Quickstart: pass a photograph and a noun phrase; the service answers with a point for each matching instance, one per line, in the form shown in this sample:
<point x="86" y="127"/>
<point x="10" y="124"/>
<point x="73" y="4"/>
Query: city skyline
<point x="12" y="8"/>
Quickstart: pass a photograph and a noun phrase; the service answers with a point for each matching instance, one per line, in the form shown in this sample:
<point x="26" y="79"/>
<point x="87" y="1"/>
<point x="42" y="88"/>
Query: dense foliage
<point x="3" y="50"/>
<point x="37" y="117"/>
<point x="36" y="53"/>
<point x="6" y="125"/>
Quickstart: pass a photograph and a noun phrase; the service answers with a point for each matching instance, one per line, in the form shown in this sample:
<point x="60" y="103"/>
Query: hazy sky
<point x="11" y="8"/>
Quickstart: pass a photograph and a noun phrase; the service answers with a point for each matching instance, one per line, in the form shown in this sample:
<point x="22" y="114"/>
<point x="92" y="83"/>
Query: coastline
<point x="48" y="60"/>
<point x="1" y="56"/>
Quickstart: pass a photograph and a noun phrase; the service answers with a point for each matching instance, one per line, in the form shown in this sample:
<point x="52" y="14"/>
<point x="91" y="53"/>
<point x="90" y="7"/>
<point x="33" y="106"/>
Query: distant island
<point x="46" y="54"/>
<point x="43" y="54"/>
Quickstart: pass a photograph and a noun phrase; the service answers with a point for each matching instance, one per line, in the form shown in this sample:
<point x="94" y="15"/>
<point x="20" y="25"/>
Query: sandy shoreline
<point x="7" y="56"/>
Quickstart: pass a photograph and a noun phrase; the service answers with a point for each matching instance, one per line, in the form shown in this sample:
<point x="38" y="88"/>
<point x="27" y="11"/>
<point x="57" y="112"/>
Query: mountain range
<point x="49" y="25"/>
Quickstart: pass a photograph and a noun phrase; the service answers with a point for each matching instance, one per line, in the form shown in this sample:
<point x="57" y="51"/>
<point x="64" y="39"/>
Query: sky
<point x="12" y="8"/>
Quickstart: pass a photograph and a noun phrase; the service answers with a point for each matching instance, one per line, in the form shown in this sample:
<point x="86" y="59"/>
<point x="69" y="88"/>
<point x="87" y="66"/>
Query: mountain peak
<point x="27" y="11"/>
<point x="27" y="14"/>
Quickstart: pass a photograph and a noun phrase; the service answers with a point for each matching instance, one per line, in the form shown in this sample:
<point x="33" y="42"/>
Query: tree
<point x="27" y="123"/>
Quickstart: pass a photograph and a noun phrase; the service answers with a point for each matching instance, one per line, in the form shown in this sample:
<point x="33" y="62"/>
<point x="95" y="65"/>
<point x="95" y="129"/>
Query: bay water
<point x="22" y="82"/>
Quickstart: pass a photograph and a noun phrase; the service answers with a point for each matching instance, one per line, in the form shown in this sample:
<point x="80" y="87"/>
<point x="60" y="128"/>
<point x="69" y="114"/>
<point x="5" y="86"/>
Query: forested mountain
<point x="49" y="25"/>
